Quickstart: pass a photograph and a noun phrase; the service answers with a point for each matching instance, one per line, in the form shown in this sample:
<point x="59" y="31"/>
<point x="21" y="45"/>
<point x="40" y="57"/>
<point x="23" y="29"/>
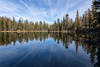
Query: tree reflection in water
<point x="86" y="41"/>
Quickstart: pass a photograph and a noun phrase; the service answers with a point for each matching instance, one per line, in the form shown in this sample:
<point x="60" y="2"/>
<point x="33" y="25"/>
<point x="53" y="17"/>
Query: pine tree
<point x="77" y="21"/>
<point x="97" y="3"/>
<point x="58" y="26"/>
<point x="0" y="24"/>
<point x="66" y="21"/>
<point x="96" y="13"/>
<point x="9" y="24"/>
<point x="20" y="27"/>
<point x="89" y="19"/>
<point x="13" y="24"/>
<point x="40" y="25"/>
<point x="5" y="26"/>
<point x="63" y="23"/>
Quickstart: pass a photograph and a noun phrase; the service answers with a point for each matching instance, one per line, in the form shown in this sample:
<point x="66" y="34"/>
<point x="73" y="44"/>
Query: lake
<point x="47" y="50"/>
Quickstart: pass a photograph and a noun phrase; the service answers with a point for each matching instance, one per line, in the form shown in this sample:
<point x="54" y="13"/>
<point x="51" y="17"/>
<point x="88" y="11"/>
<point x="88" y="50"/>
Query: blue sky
<point x="44" y="10"/>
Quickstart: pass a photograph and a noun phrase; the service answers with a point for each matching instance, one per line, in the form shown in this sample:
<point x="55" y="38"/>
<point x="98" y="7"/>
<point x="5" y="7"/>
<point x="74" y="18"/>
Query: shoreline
<point x="32" y="31"/>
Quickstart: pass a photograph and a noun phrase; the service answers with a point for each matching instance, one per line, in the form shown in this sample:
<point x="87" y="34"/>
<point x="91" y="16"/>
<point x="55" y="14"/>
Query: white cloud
<point x="82" y="8"/>
<point x="52" y="10"/>
<point x="9" y="9"/>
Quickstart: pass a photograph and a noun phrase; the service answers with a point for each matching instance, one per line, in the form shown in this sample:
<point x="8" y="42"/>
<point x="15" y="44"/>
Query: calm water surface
<point x="47" y="50"/>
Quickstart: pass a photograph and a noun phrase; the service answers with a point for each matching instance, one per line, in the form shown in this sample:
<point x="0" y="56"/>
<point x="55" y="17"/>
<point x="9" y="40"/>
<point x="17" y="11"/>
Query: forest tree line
<point x="89" y="21"/>
<point x="6" y="24"/>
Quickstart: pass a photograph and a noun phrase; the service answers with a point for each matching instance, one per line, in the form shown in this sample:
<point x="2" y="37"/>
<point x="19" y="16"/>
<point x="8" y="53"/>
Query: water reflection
<point x="46" y="48"/>
<point x="7" y="38"/>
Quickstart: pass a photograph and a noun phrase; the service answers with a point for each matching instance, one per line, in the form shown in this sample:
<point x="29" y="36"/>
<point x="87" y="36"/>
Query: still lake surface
<point x="47" y="50"/>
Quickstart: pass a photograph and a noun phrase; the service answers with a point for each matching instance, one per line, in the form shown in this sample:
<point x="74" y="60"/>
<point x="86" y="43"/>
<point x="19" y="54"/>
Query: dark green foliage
<point x="96" y="13"/>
